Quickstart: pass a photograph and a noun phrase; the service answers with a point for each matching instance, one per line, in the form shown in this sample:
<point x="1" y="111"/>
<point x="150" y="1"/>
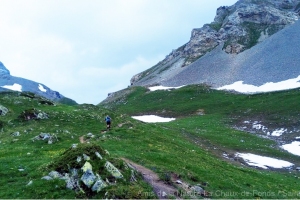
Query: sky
<point x="85" y="49"/>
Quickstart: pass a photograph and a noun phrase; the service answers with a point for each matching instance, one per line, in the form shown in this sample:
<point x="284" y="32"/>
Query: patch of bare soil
<point x="178" y="188"/>
<point x="161" y="189"/>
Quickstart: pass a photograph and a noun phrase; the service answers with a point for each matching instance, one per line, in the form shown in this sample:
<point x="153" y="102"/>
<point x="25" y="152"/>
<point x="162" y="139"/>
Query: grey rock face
<point x="234" y="30"/>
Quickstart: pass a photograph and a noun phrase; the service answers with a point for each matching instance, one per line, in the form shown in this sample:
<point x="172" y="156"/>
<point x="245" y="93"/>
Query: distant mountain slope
<point x="274" y="60"/>
<point x="8" y="82"/>
<point x="244" y="43"/>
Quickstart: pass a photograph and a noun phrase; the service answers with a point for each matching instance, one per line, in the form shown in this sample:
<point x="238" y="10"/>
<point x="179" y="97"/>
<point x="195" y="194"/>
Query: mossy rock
<point x="69" y="158"/>
<point x="115" y="187"/>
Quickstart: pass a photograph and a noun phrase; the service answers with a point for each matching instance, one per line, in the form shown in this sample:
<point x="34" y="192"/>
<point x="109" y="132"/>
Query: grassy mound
<point x="127" y="185"/>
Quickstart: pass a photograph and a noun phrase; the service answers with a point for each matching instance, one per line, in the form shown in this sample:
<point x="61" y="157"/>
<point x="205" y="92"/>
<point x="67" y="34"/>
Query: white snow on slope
<point x="15" y="87"/>
<point x="42" y="88"/>
<point x="262" y="161"/>
<point x="239" y="86"/>
<point x="160" y="87"/>
<point x="293" y="148"/>
<point x="277" y="132"/>
<point x="152" y="118"/>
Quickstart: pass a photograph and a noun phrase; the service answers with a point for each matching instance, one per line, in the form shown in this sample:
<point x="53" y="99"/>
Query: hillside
<point x="199" y="148"/>
<point x="252" y="41"/>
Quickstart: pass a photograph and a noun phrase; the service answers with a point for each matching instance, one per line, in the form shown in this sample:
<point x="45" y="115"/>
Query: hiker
<point x="108" y="121"/>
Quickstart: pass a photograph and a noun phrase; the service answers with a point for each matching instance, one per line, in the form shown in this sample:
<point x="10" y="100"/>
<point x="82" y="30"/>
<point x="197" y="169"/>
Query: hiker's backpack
<point x="107" y="119"/>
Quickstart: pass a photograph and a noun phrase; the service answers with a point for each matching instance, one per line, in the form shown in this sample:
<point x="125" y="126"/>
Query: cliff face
<point x="234" y="30"/>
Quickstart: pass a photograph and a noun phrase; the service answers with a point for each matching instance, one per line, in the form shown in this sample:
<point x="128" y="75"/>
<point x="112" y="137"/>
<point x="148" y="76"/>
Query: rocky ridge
<point x="9" y="82"/>
<point x="235" y="29"/>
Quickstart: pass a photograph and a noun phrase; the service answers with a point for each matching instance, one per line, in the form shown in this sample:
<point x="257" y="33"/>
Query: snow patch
<point x="278" y="132"/>
<point x="293" y="148"/>
<point x="160" y="87"/>
<point x="239" y="86"/>
<point x="263" y="161"/>
<point x="15" y="87"/>
<point x="256" y="125"/>
<point x="152" y="118"/>
<point x="42" y="88"/>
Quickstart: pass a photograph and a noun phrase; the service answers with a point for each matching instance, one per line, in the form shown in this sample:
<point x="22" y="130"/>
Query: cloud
<point x="86" y="49"/>
<point x="103" y="80"/>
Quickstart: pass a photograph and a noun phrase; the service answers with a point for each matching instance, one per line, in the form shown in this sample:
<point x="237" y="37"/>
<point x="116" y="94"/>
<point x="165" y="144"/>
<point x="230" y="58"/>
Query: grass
<point x="191" y="146"/>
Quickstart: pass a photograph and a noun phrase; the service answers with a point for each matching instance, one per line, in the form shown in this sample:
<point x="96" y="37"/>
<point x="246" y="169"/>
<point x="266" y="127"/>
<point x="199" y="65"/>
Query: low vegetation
<point x="191" y="147"/>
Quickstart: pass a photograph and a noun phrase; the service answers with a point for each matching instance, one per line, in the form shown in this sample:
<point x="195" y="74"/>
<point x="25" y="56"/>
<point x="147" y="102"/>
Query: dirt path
<point x="162" y="190"/>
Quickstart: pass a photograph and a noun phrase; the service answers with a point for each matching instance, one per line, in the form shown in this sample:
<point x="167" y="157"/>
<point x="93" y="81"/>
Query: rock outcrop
<point x="235" y="29"/>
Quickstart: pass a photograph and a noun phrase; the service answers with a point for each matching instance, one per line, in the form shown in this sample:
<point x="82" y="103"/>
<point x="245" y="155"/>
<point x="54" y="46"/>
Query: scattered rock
<point x="16" y="134"/>
<point x="106" y="152"/>
<point x="198" y="190"/>
<point x="79" y="159"/>
<point x="33" y="114"/>
<point x="88" y="178"/>
<point x="3" y="110"/>
<point x="29" y="183"/>
<point x="99" y="184"/>
<point x="86" y="157"/>
<point x="87" y="166"/>
<point x="200" y="112"/>
<point x="55" y="174"/>
<point x="48" y="178"/>
<point x="113" y="170"/>
<point x="90" y="135"/>
<point x="46" y="136"/>
<point x="98" y="155"/>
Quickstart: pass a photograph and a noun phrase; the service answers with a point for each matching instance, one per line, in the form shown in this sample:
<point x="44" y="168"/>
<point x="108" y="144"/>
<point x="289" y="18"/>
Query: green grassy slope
<point x="212" y="132"/>
<point x="191" y="146"/>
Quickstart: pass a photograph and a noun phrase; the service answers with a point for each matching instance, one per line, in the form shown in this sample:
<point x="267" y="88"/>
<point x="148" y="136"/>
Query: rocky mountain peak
<point x="3" y="69"/>
<point x="235" y="28"/>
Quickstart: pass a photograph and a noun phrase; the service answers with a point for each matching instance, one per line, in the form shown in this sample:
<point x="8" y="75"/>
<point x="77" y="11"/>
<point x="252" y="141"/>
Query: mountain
<point x="254" y="41"/>
<point x="8" y="82"/>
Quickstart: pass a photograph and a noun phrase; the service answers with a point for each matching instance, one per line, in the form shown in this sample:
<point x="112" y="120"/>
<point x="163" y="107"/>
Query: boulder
<point x="3" y="110"/>
<point x="99" y="184"/>
<point x="55" y="174"/>
<point x="46" y="136"/>
<point x="42" y="115"/>
<point x="113" y="170"/>
<point x="198" y="190"/>
<point x="88" y="178"/>
<point x="87" y="166"/>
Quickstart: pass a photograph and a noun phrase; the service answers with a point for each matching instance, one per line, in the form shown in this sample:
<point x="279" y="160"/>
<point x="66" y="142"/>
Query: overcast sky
<point x="85" y="49"/>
